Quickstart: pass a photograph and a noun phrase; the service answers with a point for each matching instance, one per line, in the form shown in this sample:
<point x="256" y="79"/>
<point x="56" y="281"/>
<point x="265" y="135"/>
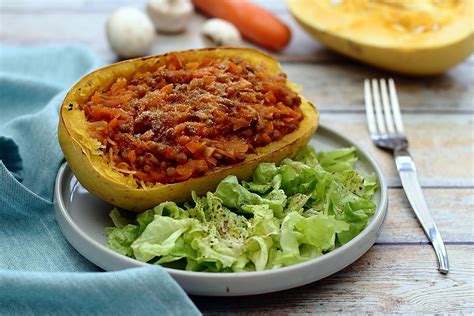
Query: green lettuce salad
<point x="287" y="214"/>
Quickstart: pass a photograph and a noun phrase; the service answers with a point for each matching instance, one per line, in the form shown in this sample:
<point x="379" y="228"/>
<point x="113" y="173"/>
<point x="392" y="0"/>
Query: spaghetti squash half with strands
<point x="419" y="37"/>
<point x="146" y="130"/>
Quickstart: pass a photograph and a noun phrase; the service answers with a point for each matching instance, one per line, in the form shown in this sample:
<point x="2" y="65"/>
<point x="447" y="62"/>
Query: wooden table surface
<point x="399" y="273"/>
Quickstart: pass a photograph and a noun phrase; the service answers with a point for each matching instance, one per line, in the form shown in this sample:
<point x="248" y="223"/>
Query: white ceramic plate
<point x="83" y="218"/>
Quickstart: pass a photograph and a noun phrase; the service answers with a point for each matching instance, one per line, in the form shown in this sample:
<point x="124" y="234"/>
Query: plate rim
<point x="375" y="224"/>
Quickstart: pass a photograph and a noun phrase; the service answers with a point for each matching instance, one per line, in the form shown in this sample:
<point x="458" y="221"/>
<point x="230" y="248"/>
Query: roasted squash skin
<point x="392" y="35"/>
<point x="91" y="168"/>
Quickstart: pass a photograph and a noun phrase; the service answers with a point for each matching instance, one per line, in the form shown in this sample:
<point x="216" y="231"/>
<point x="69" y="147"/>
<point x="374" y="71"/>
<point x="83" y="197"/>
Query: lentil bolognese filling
<point x="187" y="118"/>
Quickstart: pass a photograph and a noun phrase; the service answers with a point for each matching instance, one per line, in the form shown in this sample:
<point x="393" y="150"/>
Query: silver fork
<point x="386" y="131"/>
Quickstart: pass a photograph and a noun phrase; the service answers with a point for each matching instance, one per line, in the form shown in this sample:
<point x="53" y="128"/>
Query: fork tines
<point x="382" y="107"/>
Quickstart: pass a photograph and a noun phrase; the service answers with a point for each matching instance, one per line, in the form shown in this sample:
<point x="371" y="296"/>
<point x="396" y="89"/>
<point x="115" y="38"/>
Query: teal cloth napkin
<point x="40" y="273"/>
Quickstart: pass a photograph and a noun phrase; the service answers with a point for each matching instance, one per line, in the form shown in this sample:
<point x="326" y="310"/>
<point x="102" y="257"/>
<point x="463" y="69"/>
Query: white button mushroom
<point x="130" y="32"/>
<point x="170" y="16"/>
<point x="217" y="32"/>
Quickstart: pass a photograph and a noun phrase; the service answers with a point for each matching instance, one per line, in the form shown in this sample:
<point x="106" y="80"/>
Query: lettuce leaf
<point x="121" y="239"/>
<point x="286" y="214"/>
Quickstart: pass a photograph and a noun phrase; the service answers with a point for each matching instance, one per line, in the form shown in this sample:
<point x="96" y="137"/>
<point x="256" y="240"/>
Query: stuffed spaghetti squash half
<point x="143" y="131"/>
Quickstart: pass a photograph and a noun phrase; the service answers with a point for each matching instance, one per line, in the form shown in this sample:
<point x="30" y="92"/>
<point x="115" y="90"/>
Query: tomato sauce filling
<point x="187" y="118"/>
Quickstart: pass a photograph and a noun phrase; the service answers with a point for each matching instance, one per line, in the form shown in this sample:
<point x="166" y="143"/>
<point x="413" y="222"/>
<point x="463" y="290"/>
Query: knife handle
<point x="408" y="176"/>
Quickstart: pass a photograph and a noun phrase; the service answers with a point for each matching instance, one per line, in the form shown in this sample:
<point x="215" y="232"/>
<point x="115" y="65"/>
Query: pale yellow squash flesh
<point x="421" y="37"/>
<point x="103" y="180"/>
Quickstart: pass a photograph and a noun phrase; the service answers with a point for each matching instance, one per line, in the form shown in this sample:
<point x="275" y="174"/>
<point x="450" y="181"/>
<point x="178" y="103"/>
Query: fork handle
<point x="406" y="169"/>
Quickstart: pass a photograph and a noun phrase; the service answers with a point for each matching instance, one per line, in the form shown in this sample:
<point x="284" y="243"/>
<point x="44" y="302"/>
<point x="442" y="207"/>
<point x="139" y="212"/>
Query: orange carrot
<point x="256" y="24"/>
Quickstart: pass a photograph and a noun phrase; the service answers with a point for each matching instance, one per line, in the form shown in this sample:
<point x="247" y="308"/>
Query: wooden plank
<point x="339" y="87"/>
<point x="441" y="146"/>
<point x="36" y="29"/>
<point x="277" y="6"/>
<point x="451" y="209"/>
<point x="387" y="279"/>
